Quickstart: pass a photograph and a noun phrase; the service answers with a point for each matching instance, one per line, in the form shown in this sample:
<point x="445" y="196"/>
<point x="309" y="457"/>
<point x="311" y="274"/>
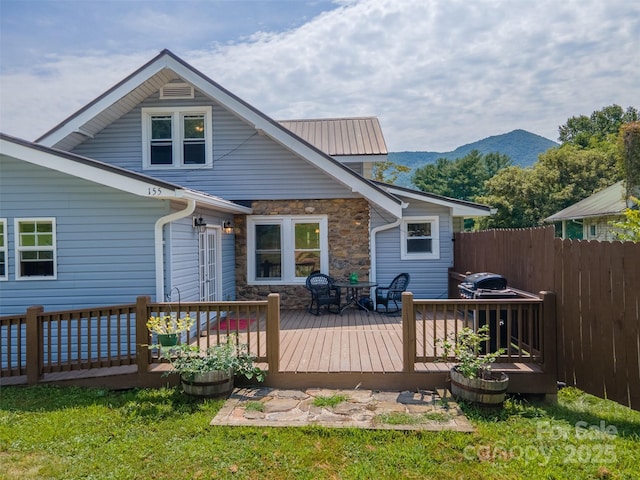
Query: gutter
<point x="160" y="223"/>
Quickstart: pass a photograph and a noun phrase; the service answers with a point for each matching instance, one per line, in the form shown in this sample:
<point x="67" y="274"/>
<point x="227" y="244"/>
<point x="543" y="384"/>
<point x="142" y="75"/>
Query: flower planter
<point x="168" y="339"/>
<point x="211" y="384"/>
<point x="482" y="392"/>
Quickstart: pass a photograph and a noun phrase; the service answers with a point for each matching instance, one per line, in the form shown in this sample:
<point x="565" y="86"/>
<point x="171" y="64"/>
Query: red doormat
<point x="233" y="324"/>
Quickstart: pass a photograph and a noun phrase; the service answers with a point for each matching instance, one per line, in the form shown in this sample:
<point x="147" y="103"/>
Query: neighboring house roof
<point x="460" y="208"/>
<point x="341" y="136"/>
<point x="109" y="175"/>
<point x="610" y="201"/>
<point x="165" y="67"/>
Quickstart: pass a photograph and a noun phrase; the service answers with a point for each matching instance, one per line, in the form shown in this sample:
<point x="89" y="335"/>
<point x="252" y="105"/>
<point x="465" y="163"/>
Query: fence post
<point x="34" y="347"/>
<point x="549" y="333"/>
<point x="273" y="332"/>
<point x="142" y="334"/>
<point x="408" y="333"/>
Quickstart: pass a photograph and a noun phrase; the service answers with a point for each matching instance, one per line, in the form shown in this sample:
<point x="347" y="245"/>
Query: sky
<point x="437" y="73"/>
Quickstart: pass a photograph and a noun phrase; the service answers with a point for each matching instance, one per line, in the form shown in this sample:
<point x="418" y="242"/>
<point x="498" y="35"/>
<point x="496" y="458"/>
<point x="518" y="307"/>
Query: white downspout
<point x="159" y="250"/>
<point x="373" y="273"/>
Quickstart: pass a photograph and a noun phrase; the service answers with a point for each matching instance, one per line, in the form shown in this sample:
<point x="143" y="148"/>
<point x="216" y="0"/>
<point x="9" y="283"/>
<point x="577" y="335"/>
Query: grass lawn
<point x="73" y="433"/>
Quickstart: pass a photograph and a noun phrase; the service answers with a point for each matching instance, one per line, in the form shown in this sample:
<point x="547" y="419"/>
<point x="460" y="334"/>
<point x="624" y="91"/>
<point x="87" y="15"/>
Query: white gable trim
<point x="457" y="209"/>
<point x="252" y="116"/>
<point x="108" y="176"/>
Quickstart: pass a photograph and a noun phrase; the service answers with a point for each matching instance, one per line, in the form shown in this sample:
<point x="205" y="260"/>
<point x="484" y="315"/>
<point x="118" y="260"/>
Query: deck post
<point x="408" y="333"/>
<point x="142" y="334"/>
<point x="273" y="332"/>
<point x="34" y="346"/>
<point x="549" y="333"/>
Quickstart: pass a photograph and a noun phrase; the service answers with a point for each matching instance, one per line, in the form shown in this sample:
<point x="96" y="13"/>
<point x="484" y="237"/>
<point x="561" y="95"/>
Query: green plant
<point x="167" y="324"/>
<point x="191" y="360"/>
<point x="466" y="347"/>
<point x="254" y="406"/>
<point x="329" y="401"/>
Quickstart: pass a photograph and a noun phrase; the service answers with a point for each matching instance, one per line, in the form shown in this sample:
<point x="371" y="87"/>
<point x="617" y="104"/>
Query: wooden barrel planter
<point x="482" y="392"/>
<point x="211" y="384"/>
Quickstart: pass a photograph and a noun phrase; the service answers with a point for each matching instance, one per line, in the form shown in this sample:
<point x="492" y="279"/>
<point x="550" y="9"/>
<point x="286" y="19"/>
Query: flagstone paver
<point x="420" y="410"/>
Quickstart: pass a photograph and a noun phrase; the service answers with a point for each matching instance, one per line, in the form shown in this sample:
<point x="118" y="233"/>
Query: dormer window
<point x="176" y="138"/>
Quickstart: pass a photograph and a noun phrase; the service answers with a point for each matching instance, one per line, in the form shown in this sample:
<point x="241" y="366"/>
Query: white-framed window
<point x="420" y="238"/>
<point x="35" y="248"/>
<point x="286" y="249"/>
<point x="4" y="268"/>
<point x="177" y="137"/>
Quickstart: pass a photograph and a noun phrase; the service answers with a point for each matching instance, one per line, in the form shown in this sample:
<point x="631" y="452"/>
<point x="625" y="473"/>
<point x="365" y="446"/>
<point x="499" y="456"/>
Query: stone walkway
<point x="421" y="410"/>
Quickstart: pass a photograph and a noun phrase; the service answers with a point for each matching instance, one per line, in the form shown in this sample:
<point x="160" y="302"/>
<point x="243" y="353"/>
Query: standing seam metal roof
<point x="341" y="136"/>
<point x="609" y="201"/>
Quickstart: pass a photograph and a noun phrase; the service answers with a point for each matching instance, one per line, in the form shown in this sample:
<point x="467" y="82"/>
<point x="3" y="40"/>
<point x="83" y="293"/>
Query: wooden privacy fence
<point x="598" y="300"/>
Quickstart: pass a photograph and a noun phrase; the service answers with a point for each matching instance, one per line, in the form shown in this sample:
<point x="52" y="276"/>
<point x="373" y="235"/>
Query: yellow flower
<point x="169" y="324"/>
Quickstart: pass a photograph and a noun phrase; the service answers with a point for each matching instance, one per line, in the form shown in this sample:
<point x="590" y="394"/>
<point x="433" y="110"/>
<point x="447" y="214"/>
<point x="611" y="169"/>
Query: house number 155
<point x="155" y="191"/>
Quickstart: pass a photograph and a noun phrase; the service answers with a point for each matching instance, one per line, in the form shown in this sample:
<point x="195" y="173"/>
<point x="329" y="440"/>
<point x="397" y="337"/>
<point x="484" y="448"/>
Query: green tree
<point x="560" y="177"/>
<point x="388" y="171"/>
<point x="582" y="130"/>
<point x="629" y="229"/>
<point x="463" y="178"/>
<point x="629" y="145"/>
<point x="596" y="152"/>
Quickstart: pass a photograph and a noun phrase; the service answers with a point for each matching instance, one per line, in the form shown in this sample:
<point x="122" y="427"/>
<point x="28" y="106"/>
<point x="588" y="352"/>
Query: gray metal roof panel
<point x="610" y="201"/>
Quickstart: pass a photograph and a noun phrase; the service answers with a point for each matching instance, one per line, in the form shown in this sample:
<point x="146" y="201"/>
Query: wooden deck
<point x="334" y="351"/>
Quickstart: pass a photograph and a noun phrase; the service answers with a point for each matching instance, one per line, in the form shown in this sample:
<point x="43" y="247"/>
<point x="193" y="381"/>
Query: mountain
<point x="521" y="146"/>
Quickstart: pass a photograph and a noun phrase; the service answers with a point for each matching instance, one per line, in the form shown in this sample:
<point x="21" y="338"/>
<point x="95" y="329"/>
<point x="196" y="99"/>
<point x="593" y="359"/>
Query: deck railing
<point x="40" y="343"/>
<point x="250" y="322"/>
<point x="520" y="326"/>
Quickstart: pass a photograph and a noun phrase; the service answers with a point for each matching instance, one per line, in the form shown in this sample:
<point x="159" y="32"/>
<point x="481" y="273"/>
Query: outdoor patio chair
<point x="323" y="292"/>
<point x="392" y="293"/>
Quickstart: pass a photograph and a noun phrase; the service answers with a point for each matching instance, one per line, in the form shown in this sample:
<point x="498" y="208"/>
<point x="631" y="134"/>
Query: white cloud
<point x="437" y="73"/>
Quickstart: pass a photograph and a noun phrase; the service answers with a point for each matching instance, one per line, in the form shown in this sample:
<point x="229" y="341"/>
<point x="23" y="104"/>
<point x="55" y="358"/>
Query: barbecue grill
<point x="489" y="286"/>
<point x="485" y="285"/>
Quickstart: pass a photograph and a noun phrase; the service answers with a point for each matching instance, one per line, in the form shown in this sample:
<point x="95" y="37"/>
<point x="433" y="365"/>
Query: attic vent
<point x="176" y="90"/>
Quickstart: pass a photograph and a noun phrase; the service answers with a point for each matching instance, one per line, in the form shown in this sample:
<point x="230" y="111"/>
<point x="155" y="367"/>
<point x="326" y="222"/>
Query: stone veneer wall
<point x="348" y="223"/>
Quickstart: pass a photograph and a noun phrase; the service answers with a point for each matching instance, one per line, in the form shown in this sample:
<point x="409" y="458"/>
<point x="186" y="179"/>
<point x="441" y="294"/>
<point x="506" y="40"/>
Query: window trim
<point x="287" y="231"/>
<point x="4" y="248"/>
<point x="435" y="238"/>
<point x="19" y="248"/>
<point x="177" y="136"/>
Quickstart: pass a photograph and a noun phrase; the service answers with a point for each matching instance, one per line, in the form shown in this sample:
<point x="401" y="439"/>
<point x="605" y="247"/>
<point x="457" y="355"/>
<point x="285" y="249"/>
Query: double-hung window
<point x="177" y="138"/>
<point x="4" y="275"/>
<point x="420" y="238"/>
<point x="285" y="250"/>
<point x="35" y="248"/>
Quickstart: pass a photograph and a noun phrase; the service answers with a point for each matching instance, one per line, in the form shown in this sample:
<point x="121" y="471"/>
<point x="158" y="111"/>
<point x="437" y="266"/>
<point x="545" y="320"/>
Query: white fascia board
<point x="216" y="202"/>
<point x="87" y="172"/>
<point x="457" y="209"/>
<point x="75" y="123"/>
<point x="259" y="122"/>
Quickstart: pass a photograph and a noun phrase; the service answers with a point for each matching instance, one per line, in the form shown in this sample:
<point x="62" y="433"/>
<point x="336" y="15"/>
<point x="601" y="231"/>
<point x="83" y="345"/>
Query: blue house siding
<point x="183" y="259"/>
<point x="429" y="278"/>
<point x="246" y="164"/>
<point x="104" y="239"/>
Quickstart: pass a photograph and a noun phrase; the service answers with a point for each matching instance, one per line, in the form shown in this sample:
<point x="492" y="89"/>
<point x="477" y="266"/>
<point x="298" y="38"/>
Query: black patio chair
<point x="392" y="293"/>
<point x="323" y="292"/>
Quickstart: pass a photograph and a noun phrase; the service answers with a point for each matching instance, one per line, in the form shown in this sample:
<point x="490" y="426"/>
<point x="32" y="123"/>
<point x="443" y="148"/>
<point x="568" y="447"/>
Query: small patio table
<point x="353" y="296"/>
